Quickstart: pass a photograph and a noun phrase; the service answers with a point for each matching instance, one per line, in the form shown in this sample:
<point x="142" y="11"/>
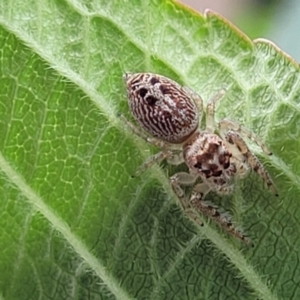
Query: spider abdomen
<point x="162" y="107"/>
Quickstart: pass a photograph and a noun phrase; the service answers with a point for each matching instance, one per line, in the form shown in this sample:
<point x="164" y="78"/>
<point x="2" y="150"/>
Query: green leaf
<point x="74" y="224"/>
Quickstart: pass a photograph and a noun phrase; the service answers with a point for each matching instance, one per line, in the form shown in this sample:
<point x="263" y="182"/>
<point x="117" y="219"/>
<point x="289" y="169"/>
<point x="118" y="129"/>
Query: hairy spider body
<point x="216" y="156"/>
<point x="162" y="107"/>
<point x="209" y="157"/>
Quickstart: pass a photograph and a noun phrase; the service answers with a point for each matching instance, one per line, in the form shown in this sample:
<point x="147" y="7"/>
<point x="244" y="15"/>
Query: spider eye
<point x="151" y="100"/>
<point x="143" y="92"/>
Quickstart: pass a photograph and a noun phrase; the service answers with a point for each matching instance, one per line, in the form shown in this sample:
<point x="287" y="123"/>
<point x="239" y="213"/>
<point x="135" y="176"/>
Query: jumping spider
<point x="216" y="156"/>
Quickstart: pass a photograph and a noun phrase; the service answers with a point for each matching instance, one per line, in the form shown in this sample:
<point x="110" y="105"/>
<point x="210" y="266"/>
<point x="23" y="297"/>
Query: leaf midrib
<point x="59" y="225"/>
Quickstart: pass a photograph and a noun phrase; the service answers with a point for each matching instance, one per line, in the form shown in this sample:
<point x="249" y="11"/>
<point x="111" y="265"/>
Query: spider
<point x="216" y="157"/>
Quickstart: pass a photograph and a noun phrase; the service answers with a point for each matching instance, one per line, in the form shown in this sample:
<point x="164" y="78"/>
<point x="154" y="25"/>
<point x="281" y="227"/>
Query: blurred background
<point x="275" y="20"/>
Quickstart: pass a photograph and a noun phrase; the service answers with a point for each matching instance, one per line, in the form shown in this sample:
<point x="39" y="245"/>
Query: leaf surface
<point x="74" y="224"/>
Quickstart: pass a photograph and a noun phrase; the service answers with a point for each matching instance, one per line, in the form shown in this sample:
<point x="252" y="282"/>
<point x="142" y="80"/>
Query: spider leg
<point x="197" y="99"/>
<point x="212" y="212"/>
<point x="210" y="111"/>
<point x="226" y="125"/>
<point x="195" y="204"/>
<point x="158" y="157"/>
<point x="234" y="138"/>
<point x="151" y="140"/>
<point x="185" y="179"/>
